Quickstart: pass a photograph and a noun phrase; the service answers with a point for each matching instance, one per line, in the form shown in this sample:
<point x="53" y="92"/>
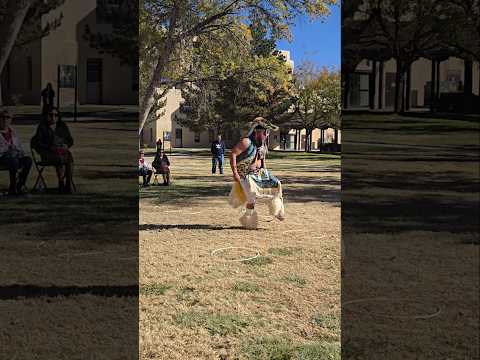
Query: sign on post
<point x="68" y="78"/>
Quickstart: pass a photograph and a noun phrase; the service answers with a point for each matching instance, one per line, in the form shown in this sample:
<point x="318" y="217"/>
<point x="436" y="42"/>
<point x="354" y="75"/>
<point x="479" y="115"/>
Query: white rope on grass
<point x="293" y="230"/>
<point x="257" y="253"/>
<point x="437" y="311"/>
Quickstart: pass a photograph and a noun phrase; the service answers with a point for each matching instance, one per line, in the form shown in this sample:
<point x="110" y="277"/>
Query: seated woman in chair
<point x="12" y="155"/>
<point x="161" y="164"/>
<point x="53" y="141"/>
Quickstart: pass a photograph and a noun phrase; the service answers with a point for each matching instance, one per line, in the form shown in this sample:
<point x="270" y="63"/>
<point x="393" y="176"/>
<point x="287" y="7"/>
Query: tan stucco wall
<point x="421" y="74"/>
<point x="19" y="74"/>
<point x="65" y="45"/>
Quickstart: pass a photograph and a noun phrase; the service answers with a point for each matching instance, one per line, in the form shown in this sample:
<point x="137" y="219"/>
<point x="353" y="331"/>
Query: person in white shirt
<point x="12" y="155"/>
<point x="145" y="169"/>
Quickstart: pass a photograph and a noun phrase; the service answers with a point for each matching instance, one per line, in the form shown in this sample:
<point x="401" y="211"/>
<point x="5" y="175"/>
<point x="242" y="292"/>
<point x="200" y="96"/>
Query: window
<point x="359" y="90"/>
<point x="29" y="73"/>
<point x="197" y="137"/>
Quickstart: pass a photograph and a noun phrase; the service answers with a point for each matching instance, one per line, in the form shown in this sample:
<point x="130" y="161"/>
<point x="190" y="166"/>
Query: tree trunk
<point x="432" y="86"/>
<point x="307" y="140"/>
<point x="408" y="87"/>
<point x="398" y="87"/>
<point x="12" y="22"/>
<point x="380" y="86"/>
<point x="149" y="97"/>
<point x="336" y="136"/>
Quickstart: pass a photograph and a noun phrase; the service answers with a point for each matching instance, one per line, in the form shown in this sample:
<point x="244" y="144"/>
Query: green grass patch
<point x="268" y="348"/>
<point x="154" y="289"/>
<point x="272" y="348"/>
<point x="189" y="319"/>
<point x="295" y="279"/>
<point x="245" y="286"/>
<point x="225" y="324"/>
<point x="259" y="261"/>
<point x="216" y="324"/>
<point x="319" y="351"/>
<point x="285" y="251"/>
<point x="327" y="321"/>
<point x="188" y="295"/>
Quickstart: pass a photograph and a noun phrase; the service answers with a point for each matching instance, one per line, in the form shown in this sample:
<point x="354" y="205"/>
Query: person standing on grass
<point x="12" y="155"/>
<point x="252" y="179"/>
<point x="48" y="96"/>
<point x="144" y="169"/>
<point x="218" y="154"/>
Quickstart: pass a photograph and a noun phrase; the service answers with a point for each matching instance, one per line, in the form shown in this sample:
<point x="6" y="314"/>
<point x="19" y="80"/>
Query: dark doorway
<point x="178" y="138"/>
<point x="94" y="81"/>
<point x="389" y="89"/>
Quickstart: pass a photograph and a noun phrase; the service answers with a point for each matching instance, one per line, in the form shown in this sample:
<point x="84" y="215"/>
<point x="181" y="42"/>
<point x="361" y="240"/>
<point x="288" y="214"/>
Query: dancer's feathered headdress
<point x="260" y="122"/>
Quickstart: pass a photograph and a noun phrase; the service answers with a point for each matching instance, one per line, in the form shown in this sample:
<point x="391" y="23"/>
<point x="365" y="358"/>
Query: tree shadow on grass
<point x="53" y="216"/>
<point x="378" y="203"/>
<point x="159" y="227"/>
<point x="12" y="292"/>
<point x="305" y="189"/>
<point x="105" y="174"/>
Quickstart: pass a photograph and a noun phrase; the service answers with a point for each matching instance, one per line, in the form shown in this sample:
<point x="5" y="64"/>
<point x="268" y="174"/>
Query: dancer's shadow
<point x="150" y="227"/>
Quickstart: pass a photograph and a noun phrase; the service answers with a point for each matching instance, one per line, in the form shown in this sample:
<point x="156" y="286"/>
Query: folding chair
<point x="40" y="182"/>
<point x="155" y="178"/>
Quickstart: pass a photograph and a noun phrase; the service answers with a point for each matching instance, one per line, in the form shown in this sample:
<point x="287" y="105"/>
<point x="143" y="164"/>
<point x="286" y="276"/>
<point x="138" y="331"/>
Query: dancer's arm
<point x="237" y="150"/>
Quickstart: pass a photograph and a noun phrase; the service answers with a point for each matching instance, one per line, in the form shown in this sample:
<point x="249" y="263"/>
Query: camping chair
<point x="156" y="175"/>
<point x="40" y="166"/>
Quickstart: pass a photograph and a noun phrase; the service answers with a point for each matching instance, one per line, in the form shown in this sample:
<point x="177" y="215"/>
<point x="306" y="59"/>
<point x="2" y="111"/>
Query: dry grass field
<point x="284" y="304"/>
<point x="67" y="286"/>
<point x="410" y="229"/>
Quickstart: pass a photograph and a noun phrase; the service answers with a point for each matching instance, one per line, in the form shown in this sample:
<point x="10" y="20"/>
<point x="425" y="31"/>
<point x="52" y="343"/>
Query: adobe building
<point x="102" y="79"/>
<point x="173" y="135"/>
<point x="372" y="85"/>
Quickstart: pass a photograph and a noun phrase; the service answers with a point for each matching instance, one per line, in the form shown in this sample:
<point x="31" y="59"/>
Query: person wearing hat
<point x="12" y="155"/>
<point x="253" y="181"/>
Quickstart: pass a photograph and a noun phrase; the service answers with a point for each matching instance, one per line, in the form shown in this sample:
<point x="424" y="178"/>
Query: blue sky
<point x="318" y="42"/>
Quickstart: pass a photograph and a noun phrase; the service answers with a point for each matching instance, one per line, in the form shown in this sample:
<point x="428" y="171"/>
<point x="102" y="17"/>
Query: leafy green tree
<point x="318" y="101"/>
<point x="401" y="29"/>
<point x="21" y="23"/>
<point x="121" y="39"/>
<point x="180" y="23"/>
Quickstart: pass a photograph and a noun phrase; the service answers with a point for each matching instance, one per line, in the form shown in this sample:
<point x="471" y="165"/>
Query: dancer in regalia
<point x="253" y="182"/>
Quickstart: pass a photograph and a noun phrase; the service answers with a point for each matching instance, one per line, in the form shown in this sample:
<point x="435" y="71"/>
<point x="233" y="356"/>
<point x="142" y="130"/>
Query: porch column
<point x="380" y="86"/>
<point x="373" y="85"/>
